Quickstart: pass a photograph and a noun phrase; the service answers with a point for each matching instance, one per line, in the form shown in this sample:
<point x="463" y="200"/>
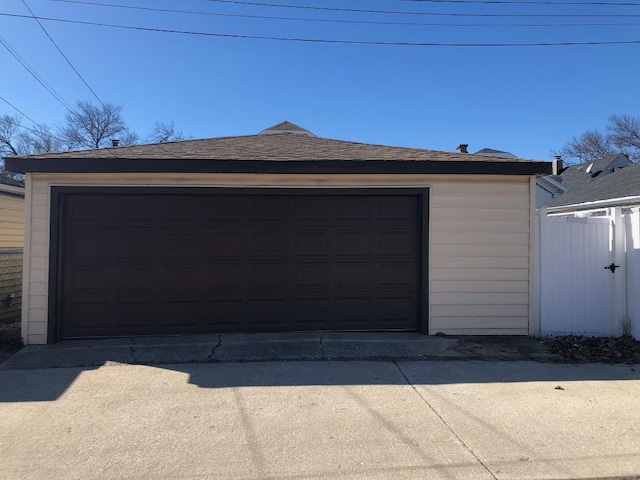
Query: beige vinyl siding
<point x="478" y="247"/>
<point x="11" y="221"/>
<point x="479" y="258"/>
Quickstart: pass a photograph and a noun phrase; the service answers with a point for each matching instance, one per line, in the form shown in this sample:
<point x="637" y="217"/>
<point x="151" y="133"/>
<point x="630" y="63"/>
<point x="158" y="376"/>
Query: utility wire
<point x="430" y="14"/>
<point x="21" y="113"/>
<point x="329" y="41"/>
<point x="356" y="22"/>
<point x="62" y="53"/>
<point x="35" y="74"/>
<point x="31" y="129"/>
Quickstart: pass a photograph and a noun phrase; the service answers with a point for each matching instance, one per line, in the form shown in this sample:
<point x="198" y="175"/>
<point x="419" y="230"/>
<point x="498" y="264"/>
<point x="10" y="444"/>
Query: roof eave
<point x="550" y="182"/>
<point x="118" y="165"/>
<point x="611" y="202"/>
<point x="12" y="190"/>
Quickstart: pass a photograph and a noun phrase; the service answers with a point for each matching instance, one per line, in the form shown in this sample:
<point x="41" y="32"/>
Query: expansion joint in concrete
<point x="444" y="421"/>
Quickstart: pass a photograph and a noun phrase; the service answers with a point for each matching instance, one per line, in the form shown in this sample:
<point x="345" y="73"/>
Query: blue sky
<point x="527" y="100"/>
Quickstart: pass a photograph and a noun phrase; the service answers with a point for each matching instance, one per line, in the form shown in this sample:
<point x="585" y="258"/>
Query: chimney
<point x="115" y="142"/>
<point x="557" y="165"/>
<point x="462" y="148"/>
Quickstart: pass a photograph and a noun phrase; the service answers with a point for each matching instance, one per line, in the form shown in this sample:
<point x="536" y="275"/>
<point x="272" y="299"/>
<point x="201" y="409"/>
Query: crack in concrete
<point x="213" y="351"/>
<point x="444" y="421"/>
<point x="132" y="352"/>
<point x="322" y="347"/>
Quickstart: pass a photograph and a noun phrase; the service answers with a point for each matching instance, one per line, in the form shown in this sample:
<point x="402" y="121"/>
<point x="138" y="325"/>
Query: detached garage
<point x="280" y="231"/>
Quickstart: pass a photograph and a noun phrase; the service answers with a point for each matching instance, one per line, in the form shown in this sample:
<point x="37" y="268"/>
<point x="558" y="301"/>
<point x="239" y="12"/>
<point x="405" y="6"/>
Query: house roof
<point x="11" y="187"/>
<point x="619" y="187"/>
<point x="283" y="148"/>
<point x="583" y="174"/>
<point x="4" y="180"/>
<point x="550" y="184"/>
<point x="495" y="153"/>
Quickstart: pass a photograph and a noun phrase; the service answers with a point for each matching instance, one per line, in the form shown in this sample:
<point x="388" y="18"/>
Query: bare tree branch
<point x="9" y="127"/>
<point x="624" y="133"/>
<point x="164" y="132"/>
<point x="129" y="137"/>
<point x="89" y="126"/>
<point x="622" y="136"/>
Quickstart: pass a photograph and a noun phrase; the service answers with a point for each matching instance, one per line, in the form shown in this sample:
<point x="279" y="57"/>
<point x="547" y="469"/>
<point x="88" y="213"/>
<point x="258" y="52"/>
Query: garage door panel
<point x="94" y="209"/>
<point x="175" y="242"/>
<point x="130" y="280"/>
<point x="353" y="242"/>
<point x="175" y="210"/>
<point x="133" y="242"/>
<point x="268" y="242"/>
<point x="217" y="243"/>
<point x="397" y="209"/>
<point x="353" y="275"/>
<point x="86" y="318"/>
<point x="228" y="208"/>
<point x="310" y="210"/>
<point x="269" y="276"/>
<point x="203" y="263"/>
<point x="397" y="275"/>
<point x="223" y="277"/>
<point x="397" y="241"/>
<point x="310" y="242"/>
<point x="177" y="312"/>
<point x="86" y="245"/>
<point x="312" y="276"/>
<point x="354" y="208"/>
<point x="88" y="279"/>
<point x="268" y="207"/>
<point x="177" y="280"/>
<point x="133" y="315"/>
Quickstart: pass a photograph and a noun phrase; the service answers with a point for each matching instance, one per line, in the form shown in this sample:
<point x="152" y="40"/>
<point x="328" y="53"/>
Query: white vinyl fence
<point x="588" y="274"/>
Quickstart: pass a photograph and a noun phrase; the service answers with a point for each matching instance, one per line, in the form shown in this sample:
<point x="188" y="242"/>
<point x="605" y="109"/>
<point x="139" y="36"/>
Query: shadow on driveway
<point x="44" y="373"/>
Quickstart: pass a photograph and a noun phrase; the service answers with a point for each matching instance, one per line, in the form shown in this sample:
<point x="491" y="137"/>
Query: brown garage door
<point x="181" y="263"/>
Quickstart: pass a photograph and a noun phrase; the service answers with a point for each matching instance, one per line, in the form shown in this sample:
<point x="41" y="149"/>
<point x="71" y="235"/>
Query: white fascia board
<point x="551" y="183"/>
<point x="612" y="202"/>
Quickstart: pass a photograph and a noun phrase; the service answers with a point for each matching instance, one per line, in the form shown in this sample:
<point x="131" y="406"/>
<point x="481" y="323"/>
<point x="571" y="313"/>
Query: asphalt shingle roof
<point x="623" y="182"/>
<point x="495" y="153"/>
<point x="577" y="177"/>
<point x="282" y="146"/>
<point x="4" y="180"/>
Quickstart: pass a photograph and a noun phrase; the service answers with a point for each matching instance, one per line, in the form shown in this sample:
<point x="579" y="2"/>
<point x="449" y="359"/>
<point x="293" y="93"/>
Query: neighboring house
<point x="615" y="186"/>
<point x="11" y="242"/>
<point x="583" y="292"/>
<point x="584" y="175"/>
<point x="546" y="187"/>
<point x="279" y="231"/>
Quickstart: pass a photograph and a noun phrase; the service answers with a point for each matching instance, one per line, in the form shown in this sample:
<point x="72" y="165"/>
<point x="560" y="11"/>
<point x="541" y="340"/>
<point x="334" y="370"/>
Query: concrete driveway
<point x="322" y="420"/>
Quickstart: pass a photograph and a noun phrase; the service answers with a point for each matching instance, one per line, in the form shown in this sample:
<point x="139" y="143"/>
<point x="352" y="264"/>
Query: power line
<point x="21" y="113"/>
<point x="356" y="22"/>
<point x="43" y="129"/>
<point x="430" y="14"/>
<point x="31" y="129"/>
<point x="35" y="74"/>
<point x="62" y="53"/>
<point x="329" y="41"/>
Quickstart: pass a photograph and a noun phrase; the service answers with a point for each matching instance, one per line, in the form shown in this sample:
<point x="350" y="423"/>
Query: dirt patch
<point x="501" y="347"/>
<point x="578" y="349"/>
<point x="10" y="339"/>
